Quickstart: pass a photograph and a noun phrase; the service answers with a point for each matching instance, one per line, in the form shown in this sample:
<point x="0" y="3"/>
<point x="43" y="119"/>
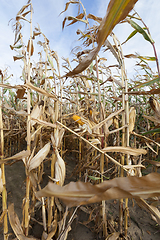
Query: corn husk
<point x="60" y="169"/>
<point x="155" y="106"/>
<point x="39" y="157"/>
<point x="132" y="118"/>
<point x="57" y="137"/>
<point x="37" y="111"/>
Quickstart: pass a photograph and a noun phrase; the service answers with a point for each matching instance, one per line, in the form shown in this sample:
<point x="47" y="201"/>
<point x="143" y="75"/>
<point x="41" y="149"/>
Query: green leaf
<point x="148" y="83"/>
<point x="157" y="130"/>
<point x="130" y="36"/>
<point x="141" y="31"/>
<point x="94" y="178"/>
<point x="147" y="58"/>
<point x="16" y="46"/>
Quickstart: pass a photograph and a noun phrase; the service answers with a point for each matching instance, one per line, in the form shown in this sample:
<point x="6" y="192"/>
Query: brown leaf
<point x="39" y="90"/>
<point x="91" y="16"/>
<point x="32" y="47"/>
<point x="84" y="63"/>
<point x="75" y="19"/>
<point x="23" y="8"/>
<point x="15" y="58"/>
<point x="79" y="193"/>
<point x="117" y="11"/>
<point x="155" y="163"/>
<point x="113" y="236"/>
<point x="67" y="5"/>
<point x="153" y="119"/>
<point x="153" y="91"/>
<point x="18" y="156"/>
<point x="15" y="224"/>
<point x="20" y="93"/>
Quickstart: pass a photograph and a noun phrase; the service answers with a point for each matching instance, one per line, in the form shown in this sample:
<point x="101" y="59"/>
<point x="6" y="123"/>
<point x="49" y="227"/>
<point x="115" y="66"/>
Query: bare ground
<point x="85" y="226"/>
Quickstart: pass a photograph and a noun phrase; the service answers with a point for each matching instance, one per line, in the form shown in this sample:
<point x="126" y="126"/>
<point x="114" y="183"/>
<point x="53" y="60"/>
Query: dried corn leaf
<point x="18" y="156"/>
<point x="15" y="224"/>
<point x="153" y="119"/>
<point x="44" y="123"/>
<point x="132" y="118"/>
<point x="146" y="138"/>
<point x="107" y="119"/>
<point x="150" y="208"/>
<point x="23" y="8"/>
<point x="152" y="91"/>
<point x="126" y="150"/>
<point x="79" y="193"/>
<point x="95" y="141"/>
<point x="39" y="157"/>
<point x="18" y="57"/>
<point x="40" y="90"/>
<point x="20" y="112"/>
<point x="151" y="148"/>
<point x="74" y="19"/>
<point x="7" y="86"/>
<point x="18" y="17"/>
<point x="67" y="5"/>
<point x="117" y="10"/>
<point x="113" y="236"/>
<point x="32" y="47"/>
<point x="60" y="169"/>
<point x="95" y="18"/>
<point x="155" y="163"/>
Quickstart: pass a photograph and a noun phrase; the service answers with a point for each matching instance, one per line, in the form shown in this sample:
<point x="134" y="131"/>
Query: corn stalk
<point x="4" y="191"/>
<point x="26" y="211"/>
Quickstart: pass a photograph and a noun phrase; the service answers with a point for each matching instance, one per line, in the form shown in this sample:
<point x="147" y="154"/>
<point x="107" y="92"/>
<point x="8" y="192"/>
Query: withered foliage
<point x="89" y="118"/>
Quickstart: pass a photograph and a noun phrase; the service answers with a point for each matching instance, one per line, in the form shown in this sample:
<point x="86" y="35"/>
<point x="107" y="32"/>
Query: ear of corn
<point x="77" y="119"/>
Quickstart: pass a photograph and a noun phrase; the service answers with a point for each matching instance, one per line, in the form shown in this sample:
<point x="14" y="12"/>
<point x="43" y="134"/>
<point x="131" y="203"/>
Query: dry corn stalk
<point x="1" y="181"/>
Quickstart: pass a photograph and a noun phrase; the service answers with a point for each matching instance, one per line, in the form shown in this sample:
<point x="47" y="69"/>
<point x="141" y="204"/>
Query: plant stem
<point x="4" y="191"/>
<point x="28" y="131"/>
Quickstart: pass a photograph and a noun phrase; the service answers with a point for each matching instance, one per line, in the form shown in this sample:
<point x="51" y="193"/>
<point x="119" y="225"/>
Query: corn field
<point x="86" y="138"/>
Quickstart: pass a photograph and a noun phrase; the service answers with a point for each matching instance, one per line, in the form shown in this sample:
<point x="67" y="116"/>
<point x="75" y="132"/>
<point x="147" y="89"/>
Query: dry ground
<point x="141" y="225"/>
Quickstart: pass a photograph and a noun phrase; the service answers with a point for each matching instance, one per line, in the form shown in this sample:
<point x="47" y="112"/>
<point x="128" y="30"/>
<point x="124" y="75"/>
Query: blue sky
<point x="46" y="14"/>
